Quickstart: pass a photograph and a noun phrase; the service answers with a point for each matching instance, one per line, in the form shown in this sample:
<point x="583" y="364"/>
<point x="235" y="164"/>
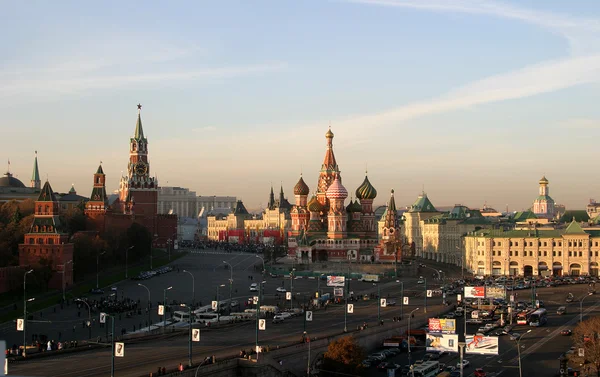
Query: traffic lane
<point x="173" y="349"/>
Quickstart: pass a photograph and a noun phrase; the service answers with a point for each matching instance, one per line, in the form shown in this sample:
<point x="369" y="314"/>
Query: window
<point x="580" y="253"/>
<point x="569" y="243"/>
<point x="596" y="253"/>
<point x="510" y="243"/>
<point x="580" y="243"/>
<point x="499" y="243"/>
<point x="539" y="253"/>
<point x="545" y="243"/>
<point x="545" y="253"/>
<point x="596" y="243"/>
<point x="560" y="253"/>
<point x="559" y="243"/>
<point x="553" y="243"/>
<point x="516" y="243"/>
<point x="516" y="253"/>
<point x="570" y="254"/>
<point x="530" y="243"/>
<point x="510" y="253"/>
<point x="499" y="253"/>
<point x="553" y="253"/>
<point x="494" y="252"/>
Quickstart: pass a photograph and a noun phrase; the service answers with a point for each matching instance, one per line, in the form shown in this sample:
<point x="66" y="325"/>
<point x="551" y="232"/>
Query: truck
<point x="370" y="277"/>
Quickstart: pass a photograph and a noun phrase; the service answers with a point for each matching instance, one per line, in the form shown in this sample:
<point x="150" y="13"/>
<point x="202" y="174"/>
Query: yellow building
<point x="535" y="251"/>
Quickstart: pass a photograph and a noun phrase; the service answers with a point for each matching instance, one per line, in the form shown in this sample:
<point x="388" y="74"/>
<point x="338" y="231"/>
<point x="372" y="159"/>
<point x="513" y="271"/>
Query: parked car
<point x="278" y="318"/>
<point x="421" y="280"/>
<point x="566" y="332"/>
<point x="281" y="290"/>
<point x="390" y="302"/>
<point x="97" y="291"/>
<point x="378" y="356"/>
<point x="479" y="373"/>
<point x="562" y="310"/>
<point x="465" y="364"/>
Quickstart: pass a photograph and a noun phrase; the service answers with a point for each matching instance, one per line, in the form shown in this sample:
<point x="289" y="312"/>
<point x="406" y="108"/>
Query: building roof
<point x="139" y="131"/>
<point x="524" y="216"/>
<point x="100" y="170"/>
<point x="9" y="181"/>
<point x="366" y="190"/>
<point x="574" y="228"/>
<point x="35" y="176"/>
<point x="423" y="204"/>
<point x="47" y="195"/>
<point x="240" y="209"/>
<point x="578" y="214"/>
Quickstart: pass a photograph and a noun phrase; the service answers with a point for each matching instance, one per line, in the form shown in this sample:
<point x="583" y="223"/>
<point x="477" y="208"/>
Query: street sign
<point x="383" y="302"/>
<point x="161" y="310"/>
<point x="350" y="308"/>
<point x="537" y="303"/>
<point x="429" y="293"/>
<point x="20" y="324"/>
<point x="581" y="352"/>
<point x="288" y="295"/>
<point x="405" y="301"/>
<point x="255" y="300"/>
<point x="309" y="316"/>
<point x="119" y="349"/>
<point x="512" y="298"/>
<point x="262" y="324"/>
<point x="214" y="305"/>
<point x="459" y="297"/>
<point x="196" y="335"/>
<point x="102" y="317"/>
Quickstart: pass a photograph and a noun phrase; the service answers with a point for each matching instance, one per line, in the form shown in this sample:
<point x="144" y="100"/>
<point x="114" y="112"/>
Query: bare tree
<point x="586" y="336"/>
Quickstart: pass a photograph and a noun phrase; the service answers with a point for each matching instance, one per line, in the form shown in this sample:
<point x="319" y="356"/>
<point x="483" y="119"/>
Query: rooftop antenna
<point x="9" y="166"/>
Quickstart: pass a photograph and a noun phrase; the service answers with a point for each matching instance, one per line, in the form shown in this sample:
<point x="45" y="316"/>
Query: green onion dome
<point x="366" y="190"/>
<point x="314" y="205"/>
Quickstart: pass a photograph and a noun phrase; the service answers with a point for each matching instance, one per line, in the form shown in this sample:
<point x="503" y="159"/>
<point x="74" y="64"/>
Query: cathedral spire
<point x="139" y="131"/>
<point x="36" y="183"/>
<point x="272" y="198"/>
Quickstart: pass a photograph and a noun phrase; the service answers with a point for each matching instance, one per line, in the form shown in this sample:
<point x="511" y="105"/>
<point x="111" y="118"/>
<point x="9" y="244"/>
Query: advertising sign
<point x="119" y="349"/>
<point x="350" y="308"/>
<point x="474" y="292"/>
<point x="262" y="324"/>
<point x="255" y="300"/>
<point x="335" y="281"/>
<point x="213" y="305"/>
<point x="309" y="316"/>
<point x="494" y="292"/>
<point x="338" y="292"/>
<point x="480" y="344"/>
<point x="102" y="317"/>
<point x="161" y="310"/>
<point x="429" y="293"/>
<point x="405" y="301"/>
<point x="288" y="295"/>
<point x="442" y="326"/>
<point x="441" y="343"/>
<point x="20" y="324"/>
<point x="383" y="302"/>
<point x="196" y="335"/>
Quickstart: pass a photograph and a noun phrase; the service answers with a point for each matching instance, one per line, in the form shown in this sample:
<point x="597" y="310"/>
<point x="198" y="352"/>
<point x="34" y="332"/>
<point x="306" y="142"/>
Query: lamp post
<point x="292" y="288"/>
<point x="345" y="309"/>
<point x="190" y="333"/>
<point x="258" y="316"/>
<point x="425" y="309"/>
<point x="165" y="309"/>
<point x="219" y="303"/>
<point x="581" y="307"/>
<point x="25" y="311"/>
<point x="408" y="340"/>
<point x="148" y="307"/>
<point x="98" y="268"/>
<point x="263" y="262"/>
<point x="230" y="284"/>
<point x="112" y="345"/>
<point x="126" y="261"/>
<point x="193" y="286"/>
<point x="462" y="262"/>
<point x="519" y="350"/>
<point x="401" y="298"/>
<point x="378" y="303"/>
<point x="89" y="316"/>
<point x="63" y="278"/>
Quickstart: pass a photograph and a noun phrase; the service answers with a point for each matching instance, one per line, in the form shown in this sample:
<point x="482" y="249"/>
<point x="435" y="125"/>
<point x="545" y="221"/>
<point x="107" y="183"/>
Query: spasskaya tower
<point x="138" y="191"/>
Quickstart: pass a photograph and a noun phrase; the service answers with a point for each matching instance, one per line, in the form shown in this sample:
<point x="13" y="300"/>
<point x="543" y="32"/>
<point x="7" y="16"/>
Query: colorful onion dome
<point x="356" y="207"/>
<point x="314" y="205"/>
<point x="350" y="206"/>
<point x="366" y="190"/>
<point x="329" y="134"/>
<point x="337" y="190"/>
<point x="301" y="188"/>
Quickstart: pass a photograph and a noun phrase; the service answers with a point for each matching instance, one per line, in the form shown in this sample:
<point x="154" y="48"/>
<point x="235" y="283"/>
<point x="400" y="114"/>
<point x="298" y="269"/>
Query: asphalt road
<point x="540" y="349"/>
<point x="209" y="272"/>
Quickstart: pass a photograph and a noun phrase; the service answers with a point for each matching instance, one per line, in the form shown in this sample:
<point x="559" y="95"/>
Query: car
<point x="278" y="318"/>
<point x="421" y="280"/>
<point x="234" y="303"/>
<point x="479" y="373"/>
<point x="562" y="310"/>
<point x="367" y="363"/>
<point x="569" y="299"/>
<point x="566" y="332"/>
<point x="450" y="368"/>
<point x="458" y="313"/>
<point x="419" y="362"/>
<point x="465" y="364"/>
<point x="378" y="356"/>
<point x="281" y="290"/>
<point x="390" y="302"/>
<point x="254" y="287"/>
<point x="97" y="291"/>
<point x="515" y="336"/>
<point x="384" y="365"/>
<point x="113" y="288"/>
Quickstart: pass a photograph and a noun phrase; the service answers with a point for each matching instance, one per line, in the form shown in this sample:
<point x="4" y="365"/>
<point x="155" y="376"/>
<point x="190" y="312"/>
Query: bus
<point x="427" y="369"/>
<point x="523" y="317"/>
<point x="538" y="318"/>
<point x="181" y="316"/>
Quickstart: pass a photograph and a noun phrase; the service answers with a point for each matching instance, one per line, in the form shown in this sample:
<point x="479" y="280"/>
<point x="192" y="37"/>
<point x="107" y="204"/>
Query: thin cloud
<point x="581" y="123"/>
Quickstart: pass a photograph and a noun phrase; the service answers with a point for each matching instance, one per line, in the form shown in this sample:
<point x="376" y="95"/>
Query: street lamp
<point x="230" y="283"/>
<point x="193" y="286"/>
<point x="519" y="350"/>
<point x="98" y="268"/>
<point x="126" y="261"/>
<point x="25" y="311"/>
<point x="165" y="307"/>
<point x="292" y="288"/>
<point x="408" y="340"/>
<point x="63" y="277"/>
<point x="378" y="303"/>
<point x="89" y="316"/>
<point x="581" y="307"/>
<point x="263" y="262"/>
<point x="190" y="333"/>
<point x="258" y="315"/>
<point x="148" y="307"/>
<point x="218" y="302"/>
<point x="401" y="298"/>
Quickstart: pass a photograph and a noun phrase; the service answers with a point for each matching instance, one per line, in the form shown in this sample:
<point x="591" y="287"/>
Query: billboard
<point x="474" y="292"/>
<point x="480" y="344"/>
<point x="338" y="292"/>
<point x="335" y="281"/>
<point x="441" y="343"/>
<point x="442" y="326"/>
<point x="494" y="292"/>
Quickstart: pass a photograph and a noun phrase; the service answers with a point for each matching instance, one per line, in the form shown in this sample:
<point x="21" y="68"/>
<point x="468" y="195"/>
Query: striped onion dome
<point x="337" y="190"/>
<point x="314" y="205"/>
<point x="366" y="190"/>
<point x="301" y="188"/>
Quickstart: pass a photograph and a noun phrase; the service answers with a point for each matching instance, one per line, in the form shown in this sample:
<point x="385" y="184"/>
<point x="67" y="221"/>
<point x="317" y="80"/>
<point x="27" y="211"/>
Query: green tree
<point x="343" y="355"/>
<point x="140" y="238"/>
<point x="44" y="272"/>
<point x="74" y="220"/>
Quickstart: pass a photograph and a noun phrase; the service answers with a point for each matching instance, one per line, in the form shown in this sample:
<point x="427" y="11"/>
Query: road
<point x="540" y="349"/>
<point x="142" y="358"/>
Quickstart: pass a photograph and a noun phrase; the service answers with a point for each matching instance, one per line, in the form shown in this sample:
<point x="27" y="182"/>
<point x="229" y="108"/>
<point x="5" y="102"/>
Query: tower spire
<point x="139" y="131"/>
<point x="36" y="183"/>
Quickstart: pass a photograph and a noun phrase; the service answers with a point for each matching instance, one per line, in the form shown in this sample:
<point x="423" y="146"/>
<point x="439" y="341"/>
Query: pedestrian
<point x="180" y="368"/>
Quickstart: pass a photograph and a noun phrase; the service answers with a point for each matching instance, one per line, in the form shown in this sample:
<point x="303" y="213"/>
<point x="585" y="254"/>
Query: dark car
<point x="97" y="291"/>
<point x="385" y="365"/>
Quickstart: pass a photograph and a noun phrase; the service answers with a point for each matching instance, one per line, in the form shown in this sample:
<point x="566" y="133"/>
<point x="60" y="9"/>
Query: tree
<point x="44" y="271"/>
<point x="344" y="355"/>
<point x="74" y="220"/>
<point x="586" y="336"/>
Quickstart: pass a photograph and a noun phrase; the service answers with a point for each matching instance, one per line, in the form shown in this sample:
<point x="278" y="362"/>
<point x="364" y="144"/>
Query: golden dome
<point x="329" y="134"/>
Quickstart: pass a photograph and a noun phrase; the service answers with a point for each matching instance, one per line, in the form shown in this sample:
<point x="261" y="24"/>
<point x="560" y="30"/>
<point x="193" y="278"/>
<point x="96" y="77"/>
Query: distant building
<point x="421" y="210"/>
<point x="593" y="209"/>
<point x="543" y="205"/>
<point x="12" y="188"/>
<point x="70" y="200"/>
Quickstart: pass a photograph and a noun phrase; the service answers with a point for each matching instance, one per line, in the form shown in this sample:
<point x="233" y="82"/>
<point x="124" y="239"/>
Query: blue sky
<point x="474" y="100"/>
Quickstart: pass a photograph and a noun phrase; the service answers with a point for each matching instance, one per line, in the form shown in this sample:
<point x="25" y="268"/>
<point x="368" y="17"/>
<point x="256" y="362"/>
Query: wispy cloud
<point x="580" y="123"/>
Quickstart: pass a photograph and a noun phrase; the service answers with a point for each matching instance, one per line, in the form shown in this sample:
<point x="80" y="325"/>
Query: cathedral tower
<point x="367" y="193"/>
<point x="543" y="206"/>
<point x="299" y="213"/>
<point x="35" y="176"/>
<point x="336" y="217"/>
<point x="329" y="169"/>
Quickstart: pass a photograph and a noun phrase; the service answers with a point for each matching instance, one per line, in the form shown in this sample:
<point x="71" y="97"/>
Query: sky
<point x="472" y="101"/>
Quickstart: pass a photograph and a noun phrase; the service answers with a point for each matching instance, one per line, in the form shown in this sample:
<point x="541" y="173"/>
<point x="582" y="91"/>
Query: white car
<point x="281" y="290"/>
<point x="254" y="287"/>
<point x="465" y="364"/>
